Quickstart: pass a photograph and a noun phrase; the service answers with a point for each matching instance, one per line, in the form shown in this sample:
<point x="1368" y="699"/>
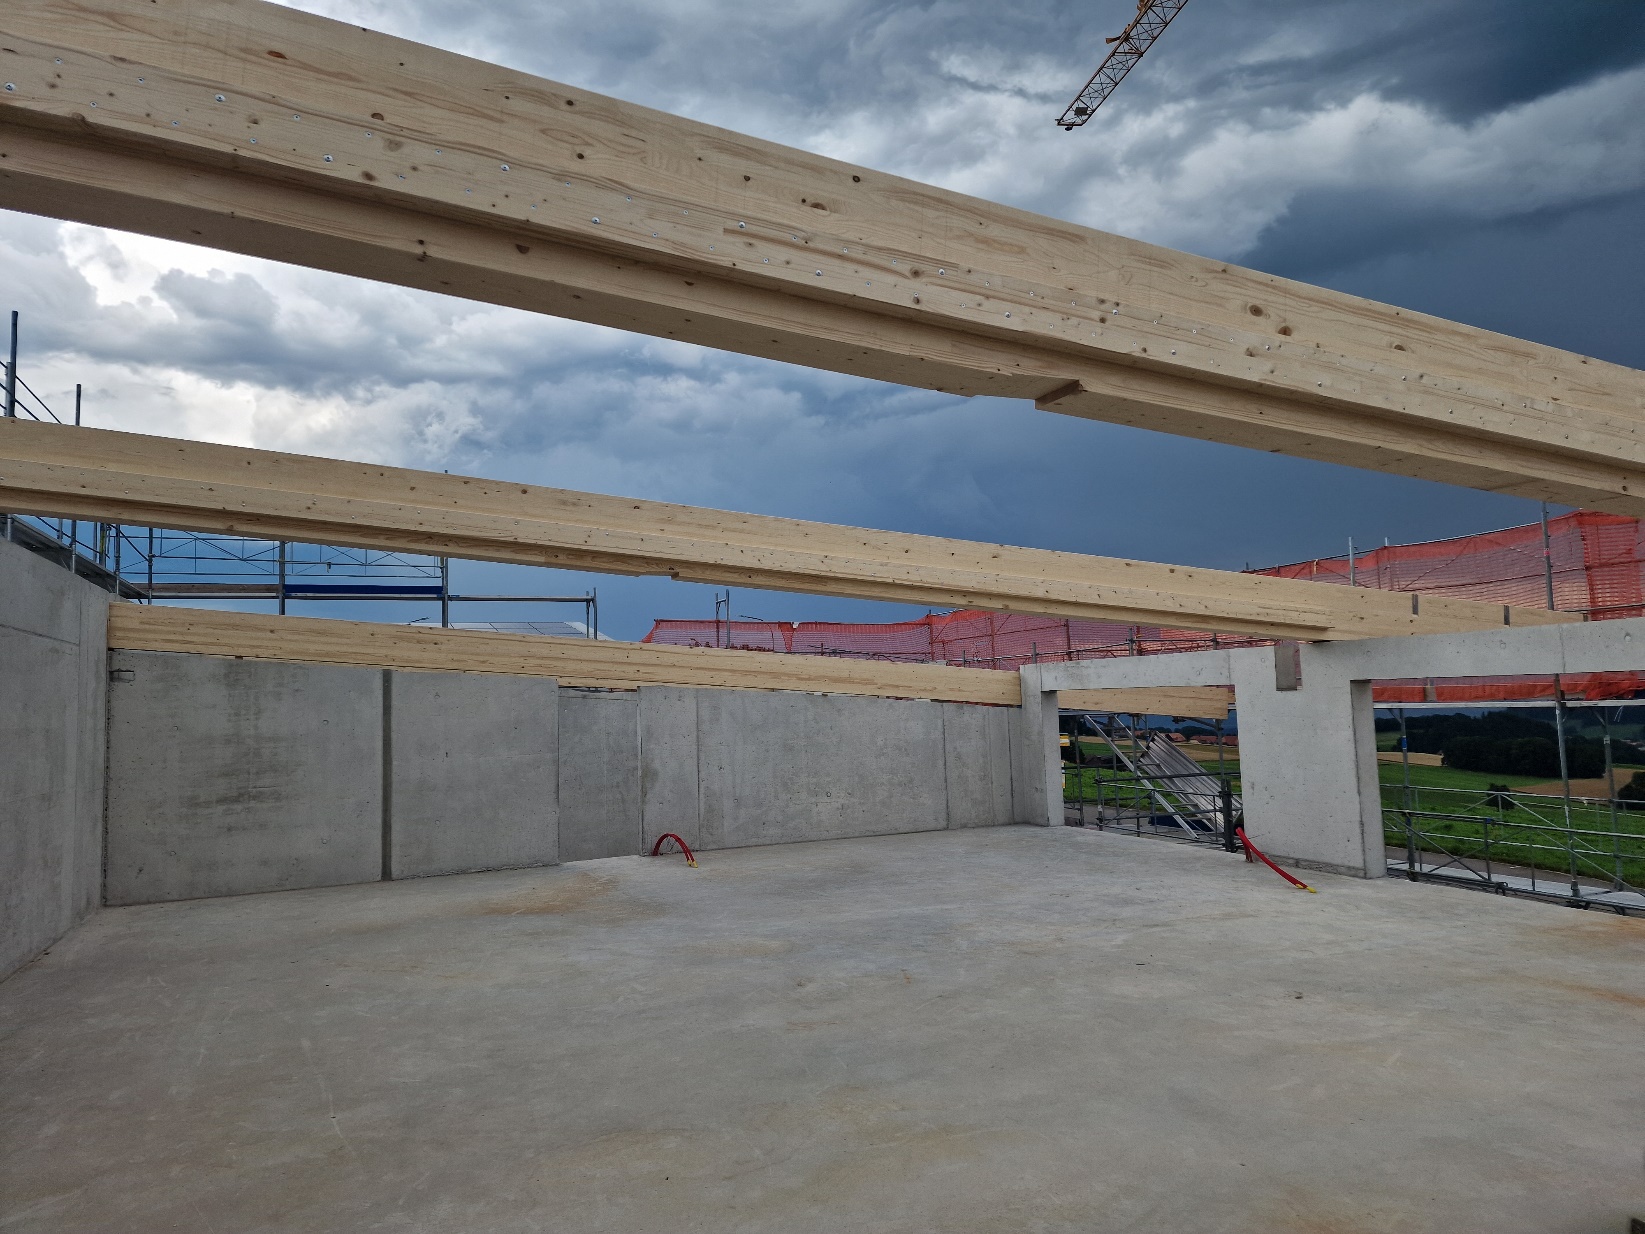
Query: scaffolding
<point x="1138" y="778"/>
<point x="1582" y="849"/>
<point x="157" y="565"/>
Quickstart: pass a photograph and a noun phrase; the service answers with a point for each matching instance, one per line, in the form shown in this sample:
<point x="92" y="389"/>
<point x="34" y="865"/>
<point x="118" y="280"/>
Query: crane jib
<point x="1128" y="47"/>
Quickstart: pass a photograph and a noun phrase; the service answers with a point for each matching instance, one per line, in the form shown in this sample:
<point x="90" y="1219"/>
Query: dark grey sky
<point x="1480" y="159"/>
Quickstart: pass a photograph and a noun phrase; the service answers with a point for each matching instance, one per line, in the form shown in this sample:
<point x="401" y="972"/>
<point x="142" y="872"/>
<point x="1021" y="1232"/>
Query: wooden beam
<point x="98" y="474"/>
<point x="1198" y="702"/>
<point x="260" y="129"/>
<point x="572" y="661"/>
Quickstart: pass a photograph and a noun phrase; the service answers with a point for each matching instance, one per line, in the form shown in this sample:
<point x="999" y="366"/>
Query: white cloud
<point x="209" y="345"/>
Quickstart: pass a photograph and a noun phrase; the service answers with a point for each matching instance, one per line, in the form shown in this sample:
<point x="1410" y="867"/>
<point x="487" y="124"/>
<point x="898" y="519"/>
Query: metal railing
<point x="1103" y="794"/>
<point x="1584" y="851"/>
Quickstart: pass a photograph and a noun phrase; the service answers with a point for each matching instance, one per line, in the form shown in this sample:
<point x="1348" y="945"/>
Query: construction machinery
<point x="1127" y="47"/>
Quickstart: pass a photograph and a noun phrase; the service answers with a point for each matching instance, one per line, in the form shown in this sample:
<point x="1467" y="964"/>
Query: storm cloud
<point x="1478" y="159"/>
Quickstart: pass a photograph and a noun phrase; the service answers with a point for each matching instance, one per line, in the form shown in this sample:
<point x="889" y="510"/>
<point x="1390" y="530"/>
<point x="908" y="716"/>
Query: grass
<point x="1470" y="822"/>
<point x="1120" y="791"/>
<point x="1450" y="777"/>
<point x="1474" y="824"/>
<point x="1455" y="777"/>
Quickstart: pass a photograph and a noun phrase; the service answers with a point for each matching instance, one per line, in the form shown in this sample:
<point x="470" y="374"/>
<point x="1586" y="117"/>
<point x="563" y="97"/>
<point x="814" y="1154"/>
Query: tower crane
<point x="1128" y="47"/>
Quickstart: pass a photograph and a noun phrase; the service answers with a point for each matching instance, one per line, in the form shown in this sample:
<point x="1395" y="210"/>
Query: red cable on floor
<point x="669" y="835"/>
<point x="1251" y="850"/>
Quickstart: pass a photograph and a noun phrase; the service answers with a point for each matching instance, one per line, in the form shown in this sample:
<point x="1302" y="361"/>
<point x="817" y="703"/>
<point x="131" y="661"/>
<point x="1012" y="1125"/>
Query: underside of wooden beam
<point x="259" y="129"/>
<point x="98" y="474"/>
<point x="1197" y="702"/>
<point x="571" y="661"/>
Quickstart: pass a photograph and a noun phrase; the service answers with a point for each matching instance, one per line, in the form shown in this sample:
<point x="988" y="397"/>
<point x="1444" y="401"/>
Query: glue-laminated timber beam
<point x="259" y="129"/>
<point x="600" y="663"/>
<point x="98" y="474"/>
<point x="1196" y="702"/>
<point x="571" y="661"/>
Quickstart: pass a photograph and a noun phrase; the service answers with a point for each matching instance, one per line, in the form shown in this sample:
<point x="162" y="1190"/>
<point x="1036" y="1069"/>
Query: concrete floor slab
<point x="1009" y="1029"/>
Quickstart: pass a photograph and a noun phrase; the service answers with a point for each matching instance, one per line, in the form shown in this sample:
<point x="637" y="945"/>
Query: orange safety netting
<point x="967" y="637"/>
<point x="1598" y="569"/>
<point x="1598" y="566"/>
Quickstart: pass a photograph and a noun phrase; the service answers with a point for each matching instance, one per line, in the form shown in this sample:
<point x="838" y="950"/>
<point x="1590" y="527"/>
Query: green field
<point x="1452" y="813"/>
<point x="1119" y="790"/>
<point x="1452" y="777"/>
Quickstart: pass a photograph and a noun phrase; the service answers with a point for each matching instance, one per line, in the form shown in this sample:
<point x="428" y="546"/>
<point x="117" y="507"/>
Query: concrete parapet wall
<point x="230" y="776"/>
<point x="52" y="689"/>
<point x="474" y="773"/>
<point x="670" y="766"/>
<point x="600" y="811"/>
<point x="977" y="763"/>
<point x="733" y="768"/>
<point x="778" y="767"/>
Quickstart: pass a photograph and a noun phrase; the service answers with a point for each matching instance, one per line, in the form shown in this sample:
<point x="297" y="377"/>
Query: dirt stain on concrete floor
<point x="561" y="895"/>
<point x="592" y="896"/>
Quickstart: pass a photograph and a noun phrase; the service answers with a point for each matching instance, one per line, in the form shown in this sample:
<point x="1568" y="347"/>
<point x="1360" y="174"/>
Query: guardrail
<point x="1112" y="797"/>
<point x="1584" y="851"/>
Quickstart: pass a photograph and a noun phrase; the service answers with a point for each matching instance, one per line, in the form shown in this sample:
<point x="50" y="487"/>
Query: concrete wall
<point x="977" y="747"/>
<point x="778" y="767"/>
<point x="1308" y="755"/>
<point x="230" y="776"/>
<point x="599" y="774"/>
<point x="670" y="768"/>
<point x="53" y="630"/>
<point x="732" y="768"/>
<point x="474" y="762"/>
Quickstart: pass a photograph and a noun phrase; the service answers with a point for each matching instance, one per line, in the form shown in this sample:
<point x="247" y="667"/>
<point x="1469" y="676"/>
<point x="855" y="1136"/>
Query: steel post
<point x="1610" y="793"/>
<point x="1547" y="556"/>
<point x="11" y="370"/>
<point x="1565" y="781"/>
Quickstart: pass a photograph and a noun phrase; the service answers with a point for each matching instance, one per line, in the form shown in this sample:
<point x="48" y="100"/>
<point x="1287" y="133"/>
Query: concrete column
<point x="1306" y="756"/>
<point x="1036" y="770"/>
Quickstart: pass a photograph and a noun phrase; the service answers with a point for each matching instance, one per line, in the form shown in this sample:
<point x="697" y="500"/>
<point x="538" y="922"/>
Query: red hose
<point x="1251" y="850"/>
<point x="669" y="835"/>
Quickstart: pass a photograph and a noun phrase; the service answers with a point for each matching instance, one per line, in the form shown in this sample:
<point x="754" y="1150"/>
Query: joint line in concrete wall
<point x="103" y="830"/>
<point x="388" y="774"/>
